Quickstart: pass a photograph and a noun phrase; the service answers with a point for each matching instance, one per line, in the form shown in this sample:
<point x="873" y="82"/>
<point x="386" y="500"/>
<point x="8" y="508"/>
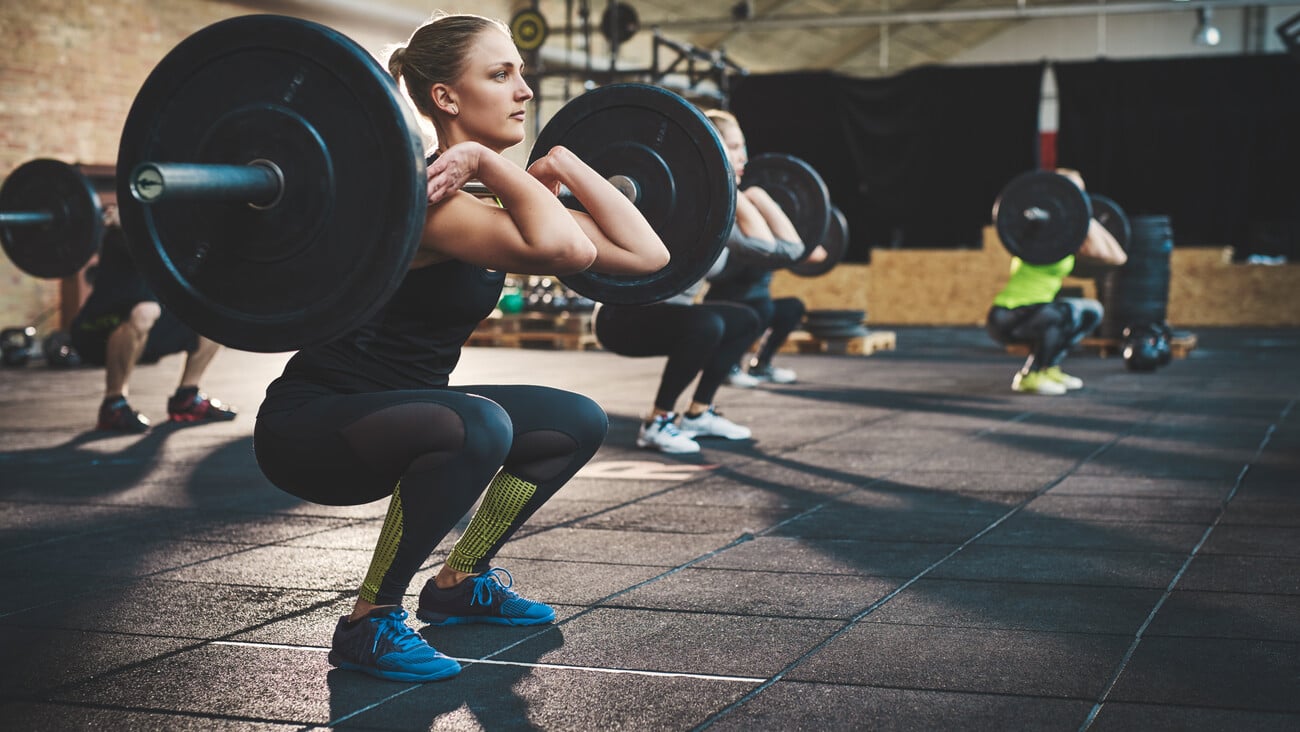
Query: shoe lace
<point x="487" y="587"/>
<point x="393" y="626"/>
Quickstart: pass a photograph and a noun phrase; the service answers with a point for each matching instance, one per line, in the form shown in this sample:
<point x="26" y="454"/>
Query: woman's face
<point x="492" y="94"/>
<point x="734" y="140"/>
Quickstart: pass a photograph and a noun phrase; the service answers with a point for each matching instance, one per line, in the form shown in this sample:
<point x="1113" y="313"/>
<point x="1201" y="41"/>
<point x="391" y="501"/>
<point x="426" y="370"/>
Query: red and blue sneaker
<point x="191" y="405"/>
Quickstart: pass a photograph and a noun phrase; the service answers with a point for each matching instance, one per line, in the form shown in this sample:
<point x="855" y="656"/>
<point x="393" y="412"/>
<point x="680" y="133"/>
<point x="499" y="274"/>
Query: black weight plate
<point x="837" y="316"/>
<point x="1047" y="240"/>
<point x="317" y="105"/>
<point x="63" y="246"/>
<point x="673" y="154"/>
<point x="798" y="190"/>
<point x="1110" y="215"/>
<point x="835" y="244"/>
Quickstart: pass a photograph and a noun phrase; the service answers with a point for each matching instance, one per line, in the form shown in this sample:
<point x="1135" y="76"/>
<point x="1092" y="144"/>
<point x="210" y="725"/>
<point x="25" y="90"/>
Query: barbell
<point x="51" y="218"/>
<point x="1042" y="217"/>
<point x="272" y="187"/>
<point x="270" y="180"/>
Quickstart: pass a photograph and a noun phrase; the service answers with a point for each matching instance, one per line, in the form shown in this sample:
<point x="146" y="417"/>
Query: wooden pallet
<point x="557" y="331"/>
<point x="801" y="341"/>
<point x="1180" y="345"/>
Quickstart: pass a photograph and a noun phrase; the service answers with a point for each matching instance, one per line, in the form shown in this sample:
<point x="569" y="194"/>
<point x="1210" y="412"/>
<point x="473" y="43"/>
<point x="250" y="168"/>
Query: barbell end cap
<point x="147" y="183"/>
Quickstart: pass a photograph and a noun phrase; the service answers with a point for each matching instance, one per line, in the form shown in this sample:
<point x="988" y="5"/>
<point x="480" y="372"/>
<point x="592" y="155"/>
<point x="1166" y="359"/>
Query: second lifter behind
<point x="1028" y="311"/>
<point x="121" y="324"/>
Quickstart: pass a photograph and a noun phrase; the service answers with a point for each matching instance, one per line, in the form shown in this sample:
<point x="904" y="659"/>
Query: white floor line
<point x="525" y="664"/>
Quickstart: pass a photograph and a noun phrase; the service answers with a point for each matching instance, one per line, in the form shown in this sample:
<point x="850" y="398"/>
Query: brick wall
<point x="69" y="70"/>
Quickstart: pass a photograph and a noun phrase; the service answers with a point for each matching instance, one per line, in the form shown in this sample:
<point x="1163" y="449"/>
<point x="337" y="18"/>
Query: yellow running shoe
<point x="1036" y="382"/>
<point x="1056" y="374"/>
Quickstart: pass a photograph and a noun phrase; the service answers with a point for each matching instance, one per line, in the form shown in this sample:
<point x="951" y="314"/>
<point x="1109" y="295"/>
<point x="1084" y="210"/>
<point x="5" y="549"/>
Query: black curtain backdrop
<point x="913" y="160"/>
<point x="1214" y="143"/>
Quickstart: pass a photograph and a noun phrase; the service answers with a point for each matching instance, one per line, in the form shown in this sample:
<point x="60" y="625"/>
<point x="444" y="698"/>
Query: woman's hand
<point x="545" y="170"/>
<point x="455" y="166"/>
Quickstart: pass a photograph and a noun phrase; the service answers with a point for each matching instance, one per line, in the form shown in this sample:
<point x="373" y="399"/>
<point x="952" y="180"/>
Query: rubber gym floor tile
<point x="1027" y="530"/>
<point x="1181" y="488"/>
<point x="829" y="556"/>
<point x="76" y="716"/>
<point x="1261" y="514"/>
<point x="281" y="566"/>
<point x="977" y="481"/>
<point x="774" y="594"/>
<point x="789" y="705"/>
<point x="687" y="519"/>
<point x="1190" y="613"/>
<point x="1236" y="573"/>
<point x="1196" y="671"/>
<point x="622" y="490"/>
<point x="1255" y="540"/>
<point x="679" y="642"/>
<point x="64" y="659"/>
<point x="1091" y="567"/>
<point x="503" y="697"/>
<point x="894" y="495"/>
<point x="121" y="553"/>
<point x="729" y="493"/>
<point x="876" y="524"/>
<point x="30" y="590"/>
<point x="249" y="527"/>
<point x="242" y="682"/>
<point x="184" y="610"/>
<point x="1121" y="717"/>
<point x="1017" y="662"/>
<point x="642" y="548"/>
<point x="1124" y="508"/>
<point x="1018" y="606"/>
<point x="24" y="524"/>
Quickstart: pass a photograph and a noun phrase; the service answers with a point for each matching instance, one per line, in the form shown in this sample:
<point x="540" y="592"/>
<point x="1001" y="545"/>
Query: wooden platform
<point x="1180" y="345"/>
<point x="564" y="331"/>
<point x="801" y="341"/>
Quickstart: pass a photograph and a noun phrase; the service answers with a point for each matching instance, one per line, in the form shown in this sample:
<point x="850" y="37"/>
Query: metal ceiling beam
<point x="958" y="15"/>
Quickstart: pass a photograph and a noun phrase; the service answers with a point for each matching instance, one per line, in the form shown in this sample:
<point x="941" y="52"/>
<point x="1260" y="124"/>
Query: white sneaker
<point x="662" y="434"/>
<point x="740" y="378"/>
<point x="711" y="424"/>
<point x="774" y="374"/>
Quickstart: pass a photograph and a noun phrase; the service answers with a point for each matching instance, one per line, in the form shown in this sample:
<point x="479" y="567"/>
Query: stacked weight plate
<point x="833" y="324"/>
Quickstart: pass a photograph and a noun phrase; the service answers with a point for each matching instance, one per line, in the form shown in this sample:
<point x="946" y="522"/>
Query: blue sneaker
<point x="382" y="644"/>
<point x="481" y="599"/>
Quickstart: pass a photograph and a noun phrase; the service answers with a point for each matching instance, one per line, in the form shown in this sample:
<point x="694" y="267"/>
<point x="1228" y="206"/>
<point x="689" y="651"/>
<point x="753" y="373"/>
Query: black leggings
<point x="778" y="317"/>
<point x="1049" y="329"/>
<point x="706" y="339"/>
<point x="443" y="445"/>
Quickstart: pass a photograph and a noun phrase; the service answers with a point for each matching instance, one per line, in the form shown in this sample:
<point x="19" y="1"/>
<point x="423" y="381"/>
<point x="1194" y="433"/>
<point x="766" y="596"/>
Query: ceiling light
<point x="1206" y="34"/>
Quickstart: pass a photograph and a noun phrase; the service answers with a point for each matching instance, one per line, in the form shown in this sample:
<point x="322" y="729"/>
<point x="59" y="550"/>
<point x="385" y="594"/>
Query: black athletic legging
<point x="705" y="339"/>
<point x="778" y="317"/>
<point x="443" y="445"/>
<point x="1050" y="329"/>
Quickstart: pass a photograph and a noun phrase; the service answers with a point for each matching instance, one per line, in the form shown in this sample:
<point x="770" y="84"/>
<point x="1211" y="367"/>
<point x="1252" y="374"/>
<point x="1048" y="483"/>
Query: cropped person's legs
<point x="1045" y="329"/>
<point x="433" y="451"/>
<point x="555" y="434"/>
<point x="787" y="313"/>
<point x="122" y="350"/>
<point x="740" y="327"/>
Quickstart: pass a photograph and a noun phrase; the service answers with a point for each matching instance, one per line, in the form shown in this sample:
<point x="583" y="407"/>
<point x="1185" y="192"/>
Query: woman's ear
<point x="444" y="98"/>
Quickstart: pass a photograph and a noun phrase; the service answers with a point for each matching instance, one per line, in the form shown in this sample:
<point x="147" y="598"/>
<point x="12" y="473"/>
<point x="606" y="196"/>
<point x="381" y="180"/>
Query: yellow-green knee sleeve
<point x="386" y="549"/>
<point x="504" y="499"/>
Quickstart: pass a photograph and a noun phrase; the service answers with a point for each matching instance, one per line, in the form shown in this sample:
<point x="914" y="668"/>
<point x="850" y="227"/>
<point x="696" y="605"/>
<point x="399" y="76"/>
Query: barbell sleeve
<point x="25" y="218"/>
<point x="259" y="183"/>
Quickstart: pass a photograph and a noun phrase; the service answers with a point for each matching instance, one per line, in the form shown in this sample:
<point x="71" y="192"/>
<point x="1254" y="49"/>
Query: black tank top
<point x="414" y="342"/>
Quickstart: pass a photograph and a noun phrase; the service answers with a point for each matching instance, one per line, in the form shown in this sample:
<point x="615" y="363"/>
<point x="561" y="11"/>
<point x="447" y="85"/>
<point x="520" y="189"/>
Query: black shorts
<point x="169" y="335"/>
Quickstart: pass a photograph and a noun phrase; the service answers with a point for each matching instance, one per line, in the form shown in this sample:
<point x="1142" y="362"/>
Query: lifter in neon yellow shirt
<point x="1028" y="311"/>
